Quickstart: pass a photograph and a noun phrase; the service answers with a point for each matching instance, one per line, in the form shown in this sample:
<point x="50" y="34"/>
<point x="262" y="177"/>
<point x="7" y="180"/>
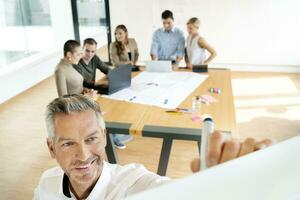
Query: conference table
<point x="151" y="121"/>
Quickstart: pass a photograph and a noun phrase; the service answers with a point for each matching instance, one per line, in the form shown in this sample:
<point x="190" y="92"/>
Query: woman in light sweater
<point x="196" y="46"/>
<point x="68" y="80"/>
<point x="124" y="50"/>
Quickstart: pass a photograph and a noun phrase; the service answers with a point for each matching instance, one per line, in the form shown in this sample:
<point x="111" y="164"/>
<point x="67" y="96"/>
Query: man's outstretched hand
<point x="221" y="148"/>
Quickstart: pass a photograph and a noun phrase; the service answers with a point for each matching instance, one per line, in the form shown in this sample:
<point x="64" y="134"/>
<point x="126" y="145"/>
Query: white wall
<point x="37" y="69"/>
<point x="138" y="16"/>
<point x="29" y="71"/>
<point x="29" y="38"/>
<point x="260" y="34"/>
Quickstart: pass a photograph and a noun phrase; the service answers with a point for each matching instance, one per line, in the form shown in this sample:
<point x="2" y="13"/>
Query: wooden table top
<point x="139" y="115"/>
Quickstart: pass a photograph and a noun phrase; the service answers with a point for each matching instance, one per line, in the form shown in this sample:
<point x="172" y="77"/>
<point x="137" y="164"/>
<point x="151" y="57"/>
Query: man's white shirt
<point x="115" y="182"/>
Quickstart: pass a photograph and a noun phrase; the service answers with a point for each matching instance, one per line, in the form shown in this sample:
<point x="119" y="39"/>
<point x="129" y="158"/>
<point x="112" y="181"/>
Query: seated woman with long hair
<point x="124" y="50"/>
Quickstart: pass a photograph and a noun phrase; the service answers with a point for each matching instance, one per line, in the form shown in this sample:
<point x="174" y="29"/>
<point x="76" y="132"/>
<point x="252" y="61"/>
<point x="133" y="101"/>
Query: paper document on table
<point x="166" y="90"/>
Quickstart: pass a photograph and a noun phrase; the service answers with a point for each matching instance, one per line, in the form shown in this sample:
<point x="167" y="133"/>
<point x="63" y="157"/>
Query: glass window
<point x="92" y="23"/>
<point x="25" y="27"/>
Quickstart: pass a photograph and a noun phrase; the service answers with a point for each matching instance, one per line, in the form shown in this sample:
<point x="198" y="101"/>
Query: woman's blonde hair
<point x="195" y="21"/>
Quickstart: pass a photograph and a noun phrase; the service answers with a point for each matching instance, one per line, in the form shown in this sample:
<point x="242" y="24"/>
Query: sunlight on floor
<point x="288" y="113"/>
<point x="266" y="102"/>
<point x="264" y="86"/>
<point x="267" y="106"/>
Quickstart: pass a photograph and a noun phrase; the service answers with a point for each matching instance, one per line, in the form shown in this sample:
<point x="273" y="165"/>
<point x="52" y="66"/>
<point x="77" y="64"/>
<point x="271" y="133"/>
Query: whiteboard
<point x="269" y="174"/>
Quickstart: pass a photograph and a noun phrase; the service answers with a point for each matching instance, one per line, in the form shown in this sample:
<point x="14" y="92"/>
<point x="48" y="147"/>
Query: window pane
<point x="26" y="12"/>
<point x="92" y="23"/>
<point x="25" y="27"/>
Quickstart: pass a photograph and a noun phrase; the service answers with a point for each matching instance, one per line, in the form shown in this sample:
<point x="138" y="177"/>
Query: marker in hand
<point x="207" y="130"/>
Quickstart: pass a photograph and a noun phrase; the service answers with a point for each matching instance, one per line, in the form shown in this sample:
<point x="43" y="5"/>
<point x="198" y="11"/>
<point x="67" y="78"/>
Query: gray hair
<point x="68" y="104"/>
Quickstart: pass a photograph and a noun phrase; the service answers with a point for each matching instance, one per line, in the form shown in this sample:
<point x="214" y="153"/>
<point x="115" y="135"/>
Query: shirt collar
<point x="84" y="63"/>
<point x="99" y="190"/>
<point x="172" y="30"/>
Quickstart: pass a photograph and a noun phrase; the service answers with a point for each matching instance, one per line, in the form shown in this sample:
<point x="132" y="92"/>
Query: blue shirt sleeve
<point x="155" y="44"/>
<point x="181" y="45"/>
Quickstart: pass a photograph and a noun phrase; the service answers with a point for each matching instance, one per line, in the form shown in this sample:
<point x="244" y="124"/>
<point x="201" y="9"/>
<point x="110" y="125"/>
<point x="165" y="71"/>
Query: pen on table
<point x="173" y="112"/>
<point x="132" y="98"/>
<point x="184" y="110"/>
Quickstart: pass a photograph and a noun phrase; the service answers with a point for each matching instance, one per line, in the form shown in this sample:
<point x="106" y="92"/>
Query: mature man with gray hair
<point x="77" y="140"/>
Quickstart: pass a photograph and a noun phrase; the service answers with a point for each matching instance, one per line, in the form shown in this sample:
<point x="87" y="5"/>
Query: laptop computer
<point x="159" y="66"/>
<point x="199" y="68"/>
<point x="118" y="79"/>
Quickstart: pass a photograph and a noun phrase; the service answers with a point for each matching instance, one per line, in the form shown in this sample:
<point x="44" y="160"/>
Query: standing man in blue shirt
<point x="168" y="42"/>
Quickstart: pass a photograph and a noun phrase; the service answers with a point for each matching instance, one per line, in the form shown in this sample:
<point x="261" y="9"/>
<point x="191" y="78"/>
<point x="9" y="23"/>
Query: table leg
<point x="199" y="146"/>
<point x="164" y="156"/>
<point x="110" y="150"/>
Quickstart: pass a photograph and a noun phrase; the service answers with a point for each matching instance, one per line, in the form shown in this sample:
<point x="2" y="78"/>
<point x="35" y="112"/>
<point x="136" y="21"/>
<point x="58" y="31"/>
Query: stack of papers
<point x="166" y="90"/>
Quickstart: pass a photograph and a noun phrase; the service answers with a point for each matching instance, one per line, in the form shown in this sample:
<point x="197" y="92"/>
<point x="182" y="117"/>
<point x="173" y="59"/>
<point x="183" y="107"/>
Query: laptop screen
<point x="119" y="78"/>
